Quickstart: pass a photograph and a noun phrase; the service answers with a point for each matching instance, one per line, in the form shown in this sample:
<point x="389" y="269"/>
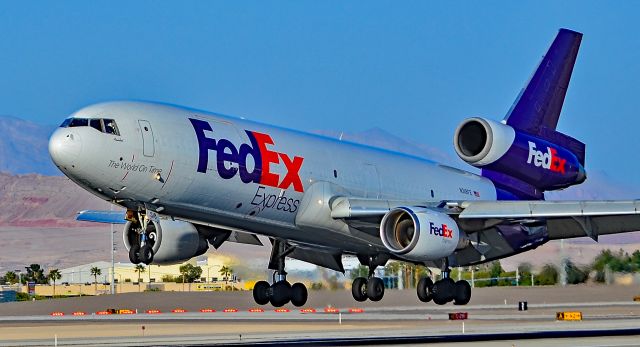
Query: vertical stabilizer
<point x="537" y="108"/>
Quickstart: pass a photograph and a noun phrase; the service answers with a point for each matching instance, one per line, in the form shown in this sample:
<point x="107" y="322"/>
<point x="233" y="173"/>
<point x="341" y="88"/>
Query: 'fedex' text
<point x="548" y="160"/>
<point x="263" y="157"/>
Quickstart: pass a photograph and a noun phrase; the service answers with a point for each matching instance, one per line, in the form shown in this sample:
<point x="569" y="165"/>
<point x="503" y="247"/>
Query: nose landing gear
<point x="281" y="291"/>
<point x="141" y="249"/>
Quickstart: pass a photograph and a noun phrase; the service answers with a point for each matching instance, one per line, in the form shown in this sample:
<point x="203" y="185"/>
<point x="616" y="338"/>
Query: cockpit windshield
<point x="103" y="125"/>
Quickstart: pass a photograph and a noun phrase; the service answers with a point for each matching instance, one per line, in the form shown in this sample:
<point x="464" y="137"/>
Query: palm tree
<point x="95" y="272"/>
<point x="139" y="269"/>
<point x="226" y="271"/>
<point x="54" y="275"/>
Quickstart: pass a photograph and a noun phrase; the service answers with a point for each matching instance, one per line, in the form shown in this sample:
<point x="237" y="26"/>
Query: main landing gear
<point x="444" y="290"/>
<point x="280" y="292"/>
<point x="372" y="287"/>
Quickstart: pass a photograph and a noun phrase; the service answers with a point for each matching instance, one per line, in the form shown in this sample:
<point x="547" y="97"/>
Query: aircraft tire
<point x="443" y="291"/>
<point x="359" y="289"/>
<point x="134" y="254"/>
<point x="462" y="293"/>
<point x="261" y="292"/>
<point x="146" y="254"/>
<point x="424" y="288"/>
<point x="299" y="294"/>
<point x="375" y="289"/>
<point x="280" y="293"/>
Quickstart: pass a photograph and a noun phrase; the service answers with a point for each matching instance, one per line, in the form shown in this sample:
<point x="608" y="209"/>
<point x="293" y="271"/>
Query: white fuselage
<point x="156" y="160"/>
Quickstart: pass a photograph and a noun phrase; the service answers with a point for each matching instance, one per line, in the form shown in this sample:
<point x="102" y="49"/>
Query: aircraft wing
<point x="564" y="219"/>
<point x="110" y="217"/>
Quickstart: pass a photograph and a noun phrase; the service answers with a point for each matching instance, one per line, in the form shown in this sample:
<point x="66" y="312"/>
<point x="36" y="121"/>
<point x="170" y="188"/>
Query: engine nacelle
<point x="419" y="234"/>
<point x="480" y="141"/>
<point x="546" y="162"/>
<point x="172" y="241"/>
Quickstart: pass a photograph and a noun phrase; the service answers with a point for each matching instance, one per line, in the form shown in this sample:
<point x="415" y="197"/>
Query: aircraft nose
<point x="64" y="148"/>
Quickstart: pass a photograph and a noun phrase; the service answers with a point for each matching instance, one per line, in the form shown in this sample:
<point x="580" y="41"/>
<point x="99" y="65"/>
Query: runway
<point x="390" y="322"/>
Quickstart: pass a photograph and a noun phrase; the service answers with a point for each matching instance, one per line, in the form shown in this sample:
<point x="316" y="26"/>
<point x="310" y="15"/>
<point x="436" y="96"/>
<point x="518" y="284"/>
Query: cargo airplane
<point x="189" y="179"/>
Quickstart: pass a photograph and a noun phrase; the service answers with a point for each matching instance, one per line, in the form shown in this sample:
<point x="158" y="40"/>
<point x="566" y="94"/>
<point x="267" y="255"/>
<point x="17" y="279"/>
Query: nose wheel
<point x="281" y="292"/>
<point x="141" y="250"/>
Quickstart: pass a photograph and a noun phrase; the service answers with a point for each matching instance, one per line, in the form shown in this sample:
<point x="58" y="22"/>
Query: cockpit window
<point x="96" y="124"/>
<point x="110" y="127"/>
<point x="107" y="126"/>
<point x="78" y="122"/>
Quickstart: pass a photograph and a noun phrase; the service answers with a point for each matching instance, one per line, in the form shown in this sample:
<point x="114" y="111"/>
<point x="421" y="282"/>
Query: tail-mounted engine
<point x="419" y="234"/>
<point x="549" y="162"/>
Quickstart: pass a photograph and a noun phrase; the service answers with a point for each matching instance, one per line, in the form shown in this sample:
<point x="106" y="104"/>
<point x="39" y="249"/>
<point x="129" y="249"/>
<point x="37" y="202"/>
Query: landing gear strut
<point x="141" y="249"/>
<point x="444" y="290"/>
<point x="280" y="292"/>
<point x="372" y="287"/>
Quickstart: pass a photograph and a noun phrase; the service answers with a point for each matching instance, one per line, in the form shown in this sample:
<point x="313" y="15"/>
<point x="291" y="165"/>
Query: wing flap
<point x="547" y="209"/>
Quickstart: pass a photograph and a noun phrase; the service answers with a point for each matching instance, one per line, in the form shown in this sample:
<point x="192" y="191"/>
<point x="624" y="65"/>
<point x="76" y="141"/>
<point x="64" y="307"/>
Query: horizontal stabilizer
<point x="110" y="217"/>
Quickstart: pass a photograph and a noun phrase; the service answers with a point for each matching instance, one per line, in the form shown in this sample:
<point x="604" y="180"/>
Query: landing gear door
<point x="148" y="147"/>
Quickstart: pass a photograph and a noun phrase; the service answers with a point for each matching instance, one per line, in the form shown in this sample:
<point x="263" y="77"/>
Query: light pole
<point x="113" y="250"/>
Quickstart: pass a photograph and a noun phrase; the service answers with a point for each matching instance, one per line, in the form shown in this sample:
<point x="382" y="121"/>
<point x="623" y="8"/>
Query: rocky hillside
<point x="43" y="201"/>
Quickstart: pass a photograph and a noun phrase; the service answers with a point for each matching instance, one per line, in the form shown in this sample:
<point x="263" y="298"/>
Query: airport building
<point x="127" y="272"/>
<point x="78" y="280"/>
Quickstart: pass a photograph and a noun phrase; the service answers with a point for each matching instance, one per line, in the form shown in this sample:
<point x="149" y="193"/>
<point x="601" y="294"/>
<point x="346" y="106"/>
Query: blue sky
<point x="415" y="69"/>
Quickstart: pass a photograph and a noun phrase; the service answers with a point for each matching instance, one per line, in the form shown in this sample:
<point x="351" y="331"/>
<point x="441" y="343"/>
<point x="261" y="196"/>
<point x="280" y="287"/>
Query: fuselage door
<point x="148" y="147"/>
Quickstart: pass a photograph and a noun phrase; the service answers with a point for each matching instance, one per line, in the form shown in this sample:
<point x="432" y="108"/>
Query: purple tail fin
<point x="524" y="155"/>
<point x="537" y="108"/>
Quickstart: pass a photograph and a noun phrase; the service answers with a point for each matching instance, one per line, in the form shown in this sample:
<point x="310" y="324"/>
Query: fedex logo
<point x="549" y="160"/>
<point x="442" y="230"/>
<point x="259" y="150"/>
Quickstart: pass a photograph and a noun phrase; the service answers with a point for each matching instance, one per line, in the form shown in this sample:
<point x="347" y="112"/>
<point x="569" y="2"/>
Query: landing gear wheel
<point x="359" y="289"/>
<point x="462" y="293"/>
<point x="134" y="254"/>
<point x="425" y="287"/>
<point x="443" y="291"/>
<point x="280" y="293"/>
<point x="146" y="254"/>
<point x="375" y="289"/>
<point x="298" y="294"/>
<point x="261" y="292"/>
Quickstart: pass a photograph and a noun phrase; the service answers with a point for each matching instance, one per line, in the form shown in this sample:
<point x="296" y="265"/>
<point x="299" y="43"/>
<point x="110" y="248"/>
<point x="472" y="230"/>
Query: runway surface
<point x="400" y="318"/>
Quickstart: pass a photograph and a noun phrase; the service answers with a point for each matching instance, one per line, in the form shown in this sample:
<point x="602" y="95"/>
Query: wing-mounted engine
<point x="419" y="234"/>
<point x="517" y="160"/>
<point x="172" y="241"/>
